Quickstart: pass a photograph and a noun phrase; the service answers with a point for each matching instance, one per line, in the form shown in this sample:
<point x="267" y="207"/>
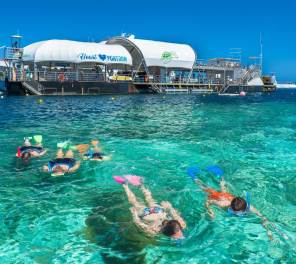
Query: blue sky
<point x="210" y="27"/>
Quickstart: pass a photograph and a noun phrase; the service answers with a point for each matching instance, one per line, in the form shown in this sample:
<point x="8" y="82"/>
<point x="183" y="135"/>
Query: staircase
<point x="34" y="87"/>
<point x="223" y="89"/>
<point x="156" y="88"/>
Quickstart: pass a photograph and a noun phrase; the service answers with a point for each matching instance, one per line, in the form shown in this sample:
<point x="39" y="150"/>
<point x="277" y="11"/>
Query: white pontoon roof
<point x="76" y="52"/>
<point x="160" y="54"/>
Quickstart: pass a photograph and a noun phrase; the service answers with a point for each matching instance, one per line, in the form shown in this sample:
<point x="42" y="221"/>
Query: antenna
<point x="261" y="54"/>
<point x="236" y="52"/>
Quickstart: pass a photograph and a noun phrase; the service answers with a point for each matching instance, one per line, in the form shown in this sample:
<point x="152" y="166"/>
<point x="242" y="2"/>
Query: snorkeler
<point x="63" y="163"/>
<point x="235" y="206"/>
<point x="92" y="152"/>
<point x="28" y="150"/>
<point x="154" y="218"/>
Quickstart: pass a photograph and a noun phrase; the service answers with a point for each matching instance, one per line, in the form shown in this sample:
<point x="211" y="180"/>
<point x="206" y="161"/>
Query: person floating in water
<point x="153" y="218"/>
<point x="28" y="151"/>
<point x="92" y="151"/>
<point x="235" y="206"/>
<point x="63" y="163"/>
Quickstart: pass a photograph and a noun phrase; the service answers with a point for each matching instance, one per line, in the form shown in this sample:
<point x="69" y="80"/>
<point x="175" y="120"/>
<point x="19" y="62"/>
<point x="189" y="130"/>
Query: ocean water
<point x="85" y="218"/>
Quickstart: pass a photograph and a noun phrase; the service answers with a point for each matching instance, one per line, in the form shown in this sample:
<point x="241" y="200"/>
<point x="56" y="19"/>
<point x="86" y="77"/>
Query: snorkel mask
<point x="241" y="213"/>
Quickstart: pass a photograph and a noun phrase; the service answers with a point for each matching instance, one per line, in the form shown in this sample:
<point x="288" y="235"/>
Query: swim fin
<point x="63" y="145"/>
<point x="193" y="172"/>
<point x="216" y="170"/>
<point x="38" y="139"/>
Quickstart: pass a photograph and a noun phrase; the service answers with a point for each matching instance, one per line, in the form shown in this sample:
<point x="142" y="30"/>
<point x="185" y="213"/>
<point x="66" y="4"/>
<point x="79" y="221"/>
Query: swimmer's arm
<point x="264" y="221"/>
<point x="140" y="224"/>
<point x="175" y="214"/>
<point x="210" y="210"/>
<point x="106" y="158"/>
<point x="76" y="167"/>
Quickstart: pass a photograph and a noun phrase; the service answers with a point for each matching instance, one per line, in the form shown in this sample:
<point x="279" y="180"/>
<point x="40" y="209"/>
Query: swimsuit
<point x="96" y="155"/>
<point x="29" y="149"/>
<point x="214" y="195"/>
<point x="152" y="210"/>
<point x="69" y="162"/>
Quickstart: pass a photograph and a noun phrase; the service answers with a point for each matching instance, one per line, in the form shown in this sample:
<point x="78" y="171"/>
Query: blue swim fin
<point x="216" y="170"/>
<point x="193" y="172"/>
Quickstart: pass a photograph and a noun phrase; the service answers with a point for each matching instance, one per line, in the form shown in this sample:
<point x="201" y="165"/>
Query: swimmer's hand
<point x="269" y="233"/>
<point x="211" y="214"/>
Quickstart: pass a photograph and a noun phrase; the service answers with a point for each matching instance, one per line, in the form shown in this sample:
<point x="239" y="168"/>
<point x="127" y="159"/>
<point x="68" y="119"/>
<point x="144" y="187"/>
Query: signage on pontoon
<point x="102" y="57"/>
<point x="168" y="56"/>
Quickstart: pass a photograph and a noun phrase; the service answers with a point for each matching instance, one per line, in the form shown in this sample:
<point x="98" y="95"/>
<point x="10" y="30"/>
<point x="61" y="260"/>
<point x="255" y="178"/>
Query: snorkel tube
<point x="241" y="213"/>
<point x="19" y="154"/>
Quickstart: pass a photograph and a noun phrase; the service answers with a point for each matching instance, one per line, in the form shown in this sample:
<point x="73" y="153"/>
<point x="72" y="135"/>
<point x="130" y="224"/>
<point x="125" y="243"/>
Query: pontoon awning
<point x="159" y="54"/>
<point x="76" y="52"/>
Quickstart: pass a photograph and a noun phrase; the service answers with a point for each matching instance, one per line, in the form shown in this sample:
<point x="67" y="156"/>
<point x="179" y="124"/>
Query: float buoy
<point x="242" y="93"/>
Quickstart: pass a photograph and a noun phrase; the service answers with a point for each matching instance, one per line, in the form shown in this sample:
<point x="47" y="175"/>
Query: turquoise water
<point x="84" y="217"/>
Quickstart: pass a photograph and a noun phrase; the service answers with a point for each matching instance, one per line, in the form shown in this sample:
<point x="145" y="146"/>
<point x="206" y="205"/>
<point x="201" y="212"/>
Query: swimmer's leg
<point x="132" y="198"/>
<point x="27" y="142"/>
<point x="60" y="154"/>
<point x="201" y="185"/>
<point x="69" y="154"/>
<point x="148" y="197"/>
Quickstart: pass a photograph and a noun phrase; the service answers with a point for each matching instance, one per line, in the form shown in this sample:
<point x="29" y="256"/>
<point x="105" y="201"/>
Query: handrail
<point x="83" y="76"/>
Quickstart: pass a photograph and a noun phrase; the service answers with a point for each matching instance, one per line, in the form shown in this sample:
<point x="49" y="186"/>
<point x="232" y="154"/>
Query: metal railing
<point x="80" y="76"/>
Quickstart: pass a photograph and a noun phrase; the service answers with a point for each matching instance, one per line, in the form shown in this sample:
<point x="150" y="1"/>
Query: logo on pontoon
<point x="168" y="56"/>
<point x="102" y="57"/>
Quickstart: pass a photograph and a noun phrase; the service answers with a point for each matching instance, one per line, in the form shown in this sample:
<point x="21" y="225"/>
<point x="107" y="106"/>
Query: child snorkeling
<point x="152" y="218"/>
<point x="27" y="150"/>
<point x="235" y="206"/>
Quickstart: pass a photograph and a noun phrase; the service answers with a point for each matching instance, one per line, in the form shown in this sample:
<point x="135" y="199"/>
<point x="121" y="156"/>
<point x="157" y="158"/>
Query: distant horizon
<point x="212" y="29"/>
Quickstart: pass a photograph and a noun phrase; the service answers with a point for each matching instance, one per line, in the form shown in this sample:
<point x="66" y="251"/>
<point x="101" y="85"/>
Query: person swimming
<point x="27" y="151"/>
<point x="234" y="205"/>
<point x="92" y="151"/>
<point x="63" y="163"/>
<point x="152" y="218"/>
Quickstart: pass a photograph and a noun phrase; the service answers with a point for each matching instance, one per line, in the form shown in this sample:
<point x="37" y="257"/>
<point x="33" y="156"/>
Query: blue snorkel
<point x="241" y="213"/>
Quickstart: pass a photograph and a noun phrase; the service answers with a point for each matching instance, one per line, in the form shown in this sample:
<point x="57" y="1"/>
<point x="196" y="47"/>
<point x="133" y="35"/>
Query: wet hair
<point x="58" y="169"/>
<point x="26" y="155"/>
<point x="238" y="204"/>
<point x="171" y="227"/>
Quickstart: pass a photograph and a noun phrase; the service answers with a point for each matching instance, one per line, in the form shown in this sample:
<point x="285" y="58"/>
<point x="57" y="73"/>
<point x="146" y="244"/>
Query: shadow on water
<point x="113" y="230"/>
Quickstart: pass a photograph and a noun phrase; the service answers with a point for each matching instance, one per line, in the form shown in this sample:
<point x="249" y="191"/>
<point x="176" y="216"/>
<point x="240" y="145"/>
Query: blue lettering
<point x="102" y="57"/>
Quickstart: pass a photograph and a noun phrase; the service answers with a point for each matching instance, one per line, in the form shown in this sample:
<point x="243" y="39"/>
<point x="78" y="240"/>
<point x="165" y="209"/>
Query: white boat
<point x="283" y="85"/>
<point x="286" y="86"/>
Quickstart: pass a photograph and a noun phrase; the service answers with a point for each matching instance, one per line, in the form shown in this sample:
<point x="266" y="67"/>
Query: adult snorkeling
<point x="152" y="218"/>
<point x="92" y="151"/>
<point x="63" y="163"/>
<point x="27" y="150"/>
<point x="234" y="205"/>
